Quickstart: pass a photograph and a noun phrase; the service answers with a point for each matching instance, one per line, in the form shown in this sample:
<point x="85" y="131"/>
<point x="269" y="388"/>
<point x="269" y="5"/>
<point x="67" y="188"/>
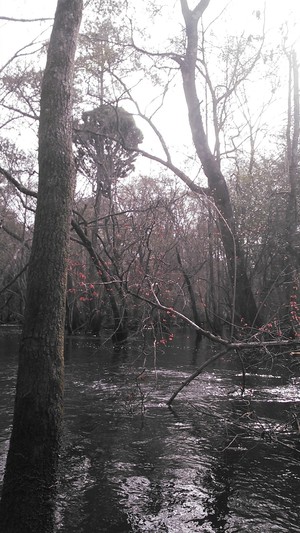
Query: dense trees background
<point x="186" y="149"/>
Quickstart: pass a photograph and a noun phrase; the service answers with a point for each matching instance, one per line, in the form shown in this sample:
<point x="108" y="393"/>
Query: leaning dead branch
<point x="196" y="373"/>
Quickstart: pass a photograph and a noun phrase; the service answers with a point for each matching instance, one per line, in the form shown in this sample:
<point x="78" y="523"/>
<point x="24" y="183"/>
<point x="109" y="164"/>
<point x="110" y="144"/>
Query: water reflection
<point x="8" y="374"/>
<point x="131" y="464"/>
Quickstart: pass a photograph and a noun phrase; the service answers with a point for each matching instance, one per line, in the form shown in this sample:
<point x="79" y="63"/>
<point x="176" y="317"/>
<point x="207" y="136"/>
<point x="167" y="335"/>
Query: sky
<point x="14" y="35"/>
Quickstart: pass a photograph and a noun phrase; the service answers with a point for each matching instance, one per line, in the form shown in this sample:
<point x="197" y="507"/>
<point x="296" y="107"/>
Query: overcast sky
<point x="14" y="35"/>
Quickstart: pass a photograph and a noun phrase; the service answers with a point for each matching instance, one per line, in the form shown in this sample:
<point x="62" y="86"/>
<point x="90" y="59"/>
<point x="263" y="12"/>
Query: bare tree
<point x="245" y="303"/>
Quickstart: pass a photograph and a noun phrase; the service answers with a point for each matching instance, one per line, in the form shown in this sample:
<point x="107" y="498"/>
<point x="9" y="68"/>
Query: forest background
<point x="200" y="219"/>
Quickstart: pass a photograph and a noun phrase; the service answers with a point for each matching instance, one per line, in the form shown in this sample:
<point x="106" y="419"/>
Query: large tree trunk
<point x="244" y="301"/>
<point x="27" y="503"/>
<point x="292" y="217"/>
<point x="292" y="159"/>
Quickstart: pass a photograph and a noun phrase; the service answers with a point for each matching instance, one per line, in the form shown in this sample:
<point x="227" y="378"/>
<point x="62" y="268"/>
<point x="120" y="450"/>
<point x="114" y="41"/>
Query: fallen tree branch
<point x="196" y="373"/>
<point x="229" y="345"/>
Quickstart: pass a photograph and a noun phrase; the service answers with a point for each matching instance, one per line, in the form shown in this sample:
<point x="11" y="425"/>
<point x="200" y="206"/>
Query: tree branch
<point x="18" y="185"/>
<point x="12" y="19"/>
<point x="196" y="373"/>
<point x="14" y="279"/>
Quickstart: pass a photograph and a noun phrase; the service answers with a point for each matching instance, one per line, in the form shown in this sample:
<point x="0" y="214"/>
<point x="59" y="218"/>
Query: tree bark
<point x="292" y="248"/>
<point x="244" y="300"/>
<point x="28" y="496"/>
<point x="293" y="134"/>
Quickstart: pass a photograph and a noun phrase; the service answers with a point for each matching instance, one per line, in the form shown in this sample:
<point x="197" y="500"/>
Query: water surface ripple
<point x="214" y="462"/>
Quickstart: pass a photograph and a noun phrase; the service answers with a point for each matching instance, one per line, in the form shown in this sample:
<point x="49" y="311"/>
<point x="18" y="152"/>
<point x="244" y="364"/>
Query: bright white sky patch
<point x="241" y="16"/>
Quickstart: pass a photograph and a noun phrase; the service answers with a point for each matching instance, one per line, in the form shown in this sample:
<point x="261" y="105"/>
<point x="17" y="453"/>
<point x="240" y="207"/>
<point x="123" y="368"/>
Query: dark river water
<point x="214" y="462"/>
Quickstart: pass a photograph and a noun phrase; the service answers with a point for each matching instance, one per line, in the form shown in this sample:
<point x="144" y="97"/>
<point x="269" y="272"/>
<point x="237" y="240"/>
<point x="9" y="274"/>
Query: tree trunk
<point x="244" y="301"/>
<point x="120" y="315"/>
<point x="192" y="295"/>
<point x="292" y="217"/>
<point x="293" y="134"/>
<point x="27" y="504"/>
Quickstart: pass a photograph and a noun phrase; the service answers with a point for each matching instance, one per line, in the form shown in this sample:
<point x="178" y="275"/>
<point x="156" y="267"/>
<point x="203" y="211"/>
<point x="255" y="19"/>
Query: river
<point x="215" y="461"/>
